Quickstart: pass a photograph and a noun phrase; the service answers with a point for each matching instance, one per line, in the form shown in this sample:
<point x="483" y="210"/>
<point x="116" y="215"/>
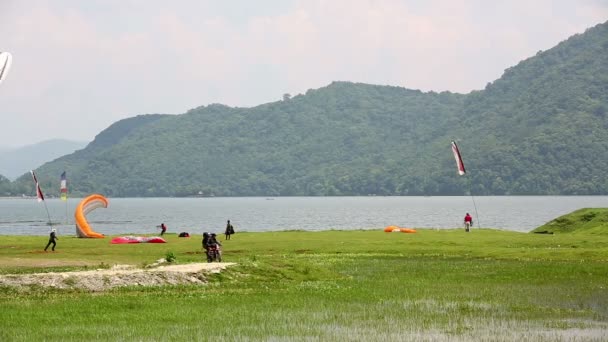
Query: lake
<point x="257" y="214"/>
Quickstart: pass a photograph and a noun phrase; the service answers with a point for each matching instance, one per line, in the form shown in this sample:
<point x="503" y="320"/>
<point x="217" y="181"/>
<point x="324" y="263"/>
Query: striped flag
<point x="459" y="163"/>
<point x="64" y="187"/>
<point x="39" y="194"/>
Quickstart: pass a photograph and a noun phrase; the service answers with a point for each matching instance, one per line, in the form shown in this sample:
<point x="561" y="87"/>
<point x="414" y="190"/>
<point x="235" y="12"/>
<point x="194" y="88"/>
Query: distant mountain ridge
<point x="540" y="129"/>
<point x="15" y="162"/>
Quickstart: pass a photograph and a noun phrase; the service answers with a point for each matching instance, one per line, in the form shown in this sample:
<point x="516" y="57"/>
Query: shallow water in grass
<point x="196" y="215"/>
<point x="335" y="298"/>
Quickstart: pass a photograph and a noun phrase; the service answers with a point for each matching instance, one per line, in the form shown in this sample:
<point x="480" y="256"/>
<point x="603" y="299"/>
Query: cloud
<point x="85" y="65"/>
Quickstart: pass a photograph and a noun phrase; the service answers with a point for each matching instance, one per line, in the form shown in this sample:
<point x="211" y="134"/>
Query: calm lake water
<point x="256" y="214"/>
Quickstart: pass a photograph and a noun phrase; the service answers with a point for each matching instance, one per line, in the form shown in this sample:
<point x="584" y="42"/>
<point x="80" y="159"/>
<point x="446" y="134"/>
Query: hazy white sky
<point x="81" y="65"/>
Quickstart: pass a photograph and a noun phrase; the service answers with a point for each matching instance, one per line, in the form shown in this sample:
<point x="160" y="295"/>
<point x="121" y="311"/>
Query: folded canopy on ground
<point x="395" y="229"/>
<point x="137" y="239"/>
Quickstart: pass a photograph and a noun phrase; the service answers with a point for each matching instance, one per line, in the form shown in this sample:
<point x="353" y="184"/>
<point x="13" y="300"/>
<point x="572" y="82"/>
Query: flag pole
<point x="50" y="223"/>
<point x="463" y="172"/>
<point x="63" y="190"/>
<point x="40" y="197"/>
<point x="474" y="205"/>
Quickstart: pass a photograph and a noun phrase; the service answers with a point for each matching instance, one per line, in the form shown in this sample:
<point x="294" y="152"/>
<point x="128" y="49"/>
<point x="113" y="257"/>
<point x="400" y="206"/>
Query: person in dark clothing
<point x="213" y="245"/>
<point x="52" y="239"/>
<point x="229" y="230"/>
<point x="213" y="240"/>
<point x="163" y="229"/>
<point x="204" y="242"/>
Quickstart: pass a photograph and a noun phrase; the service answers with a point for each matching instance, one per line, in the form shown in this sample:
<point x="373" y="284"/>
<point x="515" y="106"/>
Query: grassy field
<point x="435" y="285"/>
<point x="585" y="221"/>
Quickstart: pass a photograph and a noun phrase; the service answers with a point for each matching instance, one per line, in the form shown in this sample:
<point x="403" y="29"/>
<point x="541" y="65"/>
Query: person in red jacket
<point x="468" y="222"/>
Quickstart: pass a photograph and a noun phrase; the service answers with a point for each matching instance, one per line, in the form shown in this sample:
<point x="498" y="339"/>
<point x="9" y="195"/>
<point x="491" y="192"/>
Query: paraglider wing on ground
<point x="88" y="204"/>
<point x="137" y="239"/>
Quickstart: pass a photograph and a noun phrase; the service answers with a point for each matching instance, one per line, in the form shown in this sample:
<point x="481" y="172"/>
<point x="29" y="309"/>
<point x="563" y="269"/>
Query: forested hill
<point x="542" y="127"/>
<point x="539" y="129"/>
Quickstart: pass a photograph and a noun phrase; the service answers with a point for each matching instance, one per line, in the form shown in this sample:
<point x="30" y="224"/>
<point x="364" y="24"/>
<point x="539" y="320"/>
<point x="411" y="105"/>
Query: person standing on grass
<point x="229" y="230"/>
<point x="468" y="222"/>
<point x="52" y="239"/>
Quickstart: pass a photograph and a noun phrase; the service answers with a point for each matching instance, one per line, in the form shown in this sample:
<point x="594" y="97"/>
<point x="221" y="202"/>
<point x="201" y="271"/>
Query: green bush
<point x="170" y="257"/>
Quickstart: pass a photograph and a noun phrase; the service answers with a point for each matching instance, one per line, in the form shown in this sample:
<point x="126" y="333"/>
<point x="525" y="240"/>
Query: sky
<point x="79" y="66"/>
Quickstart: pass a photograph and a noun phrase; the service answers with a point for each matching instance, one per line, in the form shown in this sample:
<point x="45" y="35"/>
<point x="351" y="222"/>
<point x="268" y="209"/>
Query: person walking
<point x="163" y="229"/>
<point x="52" y="239"/>
<point x="468" y="222"/>
<point x="229" y="230"/>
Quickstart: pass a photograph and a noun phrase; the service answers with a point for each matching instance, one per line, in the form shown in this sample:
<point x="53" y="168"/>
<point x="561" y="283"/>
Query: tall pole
<point x="63" y="190"/>
<point x="40" y="197"/>
<point x="462" y="172"/>
<point x="474" y="205"/>
<point x="47" y="214"/>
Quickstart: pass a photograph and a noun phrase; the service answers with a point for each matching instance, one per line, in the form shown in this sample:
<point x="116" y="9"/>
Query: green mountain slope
<point x="539" y="129"/>
<point x="318" y="143"/>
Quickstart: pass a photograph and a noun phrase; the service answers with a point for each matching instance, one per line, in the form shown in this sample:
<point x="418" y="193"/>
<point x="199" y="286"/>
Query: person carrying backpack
<point x="229" y="230"/>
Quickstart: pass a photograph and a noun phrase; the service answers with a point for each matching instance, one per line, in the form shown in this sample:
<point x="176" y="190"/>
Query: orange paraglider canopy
<point x="391" y="229"/>
<point x="88" y="204"/>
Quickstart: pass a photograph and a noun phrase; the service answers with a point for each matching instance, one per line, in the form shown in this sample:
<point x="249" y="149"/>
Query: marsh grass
<point x="328" y="286"/>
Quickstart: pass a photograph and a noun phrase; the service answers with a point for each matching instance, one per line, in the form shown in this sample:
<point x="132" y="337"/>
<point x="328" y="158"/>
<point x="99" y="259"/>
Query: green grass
<point x="326" y="286"/>
<point x="586" y="220"/>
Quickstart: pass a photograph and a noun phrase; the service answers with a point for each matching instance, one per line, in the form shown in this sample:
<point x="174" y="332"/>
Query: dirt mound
<point x="119" y="275"/>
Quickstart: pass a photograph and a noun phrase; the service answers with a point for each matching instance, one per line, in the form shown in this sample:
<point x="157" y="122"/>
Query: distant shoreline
<point x="19" y="197"/>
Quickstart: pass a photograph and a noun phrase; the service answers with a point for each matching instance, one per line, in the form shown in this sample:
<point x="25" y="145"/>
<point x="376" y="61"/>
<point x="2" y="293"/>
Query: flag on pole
<point x="64" y="187"/>
<point x="39" y="194"/>
<point x="459" y="163"/>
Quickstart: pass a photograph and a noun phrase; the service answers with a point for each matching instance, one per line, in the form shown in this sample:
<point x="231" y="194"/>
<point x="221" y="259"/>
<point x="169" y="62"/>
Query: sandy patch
<point x="118" y="275"/>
